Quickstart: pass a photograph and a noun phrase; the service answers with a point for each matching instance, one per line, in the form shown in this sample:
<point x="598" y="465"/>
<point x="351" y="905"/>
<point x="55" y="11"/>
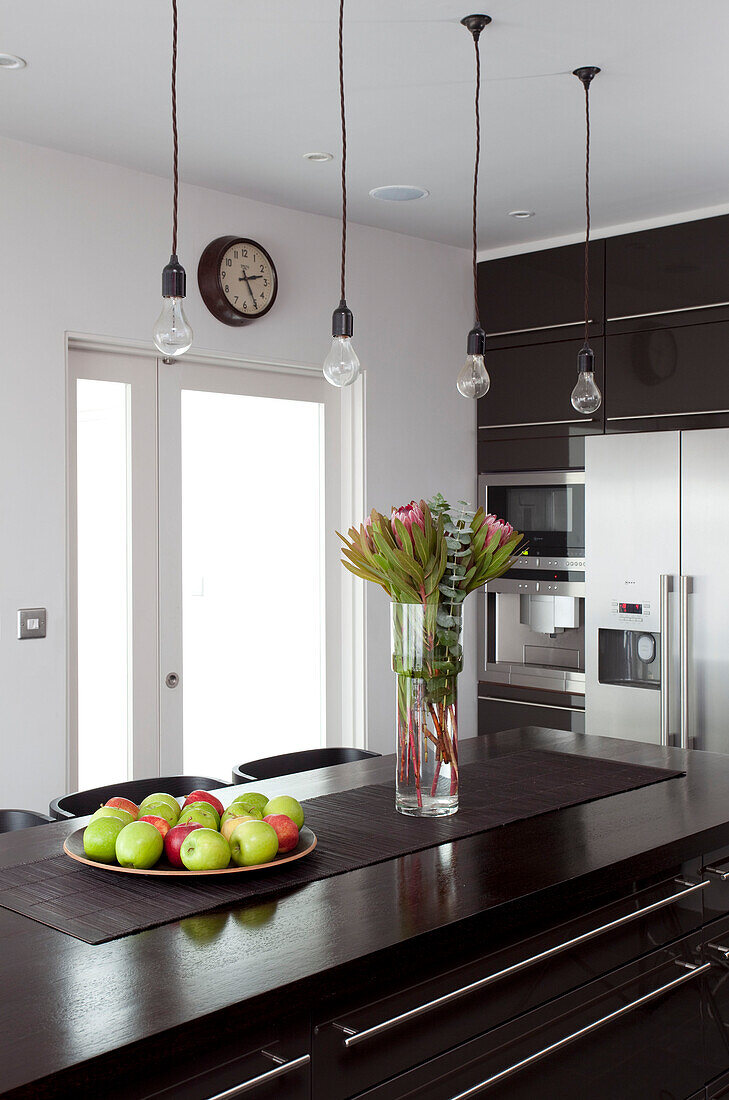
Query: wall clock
<point x="237" y="280"/>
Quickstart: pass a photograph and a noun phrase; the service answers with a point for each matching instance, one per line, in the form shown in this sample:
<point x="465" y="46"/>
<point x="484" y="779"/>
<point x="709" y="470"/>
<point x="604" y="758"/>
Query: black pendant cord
<point x="343" y="116"/>
<point x="175" y="140"/>
<point x="587" y="211"/>
<point x="475" y="181"/>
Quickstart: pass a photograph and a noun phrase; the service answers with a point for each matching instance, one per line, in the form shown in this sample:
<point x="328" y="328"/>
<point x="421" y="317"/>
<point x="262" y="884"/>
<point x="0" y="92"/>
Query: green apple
<point x="112" y="811"/>
<point x="201" y="815"/>
<point x="205" y="850"/>
<point x="100" y="838"/>
<point x="204" y="806"/>
<point x="253" y="798"/>
<point x="161" y="809"/>
<point x="152" y="799"/>
<point x="139" y="845"/>
<point x="252" y="843"/>
<point x="285" y="804"/>
<point x="237" y="810"/>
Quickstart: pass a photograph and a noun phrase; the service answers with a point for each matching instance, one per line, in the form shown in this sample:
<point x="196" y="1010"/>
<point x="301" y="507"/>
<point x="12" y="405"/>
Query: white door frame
<point x="353" y="699"/>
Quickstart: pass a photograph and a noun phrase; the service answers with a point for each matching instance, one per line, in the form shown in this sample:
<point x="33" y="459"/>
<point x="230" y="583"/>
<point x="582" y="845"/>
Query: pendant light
<point x="341" y="366"/>
<point x="474" y="381"/>
<point x="172" y="333"/>
<point x="586" y="396"/>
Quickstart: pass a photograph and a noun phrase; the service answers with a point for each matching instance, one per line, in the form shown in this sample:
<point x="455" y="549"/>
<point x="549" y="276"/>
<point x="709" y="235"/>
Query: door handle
<point x="553" y="1048"/>
<point x="684" y="592"/>
<point x="666" y="586"/>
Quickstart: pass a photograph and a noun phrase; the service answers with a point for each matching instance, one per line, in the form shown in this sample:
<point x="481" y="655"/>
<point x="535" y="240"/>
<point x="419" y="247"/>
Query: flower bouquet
<point x="428" y="557"/>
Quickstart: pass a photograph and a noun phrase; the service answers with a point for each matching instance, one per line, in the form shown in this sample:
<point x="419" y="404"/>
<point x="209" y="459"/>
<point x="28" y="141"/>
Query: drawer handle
<point x="354" y="1036"/>
<point x="281" y="1070"/>
<point x="717" y="873"/>
<point x="693" y="972"/>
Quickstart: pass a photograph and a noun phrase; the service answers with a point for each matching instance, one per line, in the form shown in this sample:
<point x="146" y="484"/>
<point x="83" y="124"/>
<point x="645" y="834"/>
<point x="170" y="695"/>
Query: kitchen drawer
<point x="496" y="714"/>
<point x="715" y="870"/>
<point x="270" y="1061"/>
<point x="364" y="1042"/>
<point x="716" y="1014"/>
<point x="633" y="1034"/>
<point x="717" y="1090"/>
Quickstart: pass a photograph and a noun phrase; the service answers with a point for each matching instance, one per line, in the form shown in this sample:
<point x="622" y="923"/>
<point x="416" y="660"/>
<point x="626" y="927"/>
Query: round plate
<point x="73" y="846"/>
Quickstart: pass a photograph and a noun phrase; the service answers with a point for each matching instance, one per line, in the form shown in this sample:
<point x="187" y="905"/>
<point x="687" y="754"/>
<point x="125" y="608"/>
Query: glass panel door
<point x="245" y="547"/>
<point x="113" y="664"/>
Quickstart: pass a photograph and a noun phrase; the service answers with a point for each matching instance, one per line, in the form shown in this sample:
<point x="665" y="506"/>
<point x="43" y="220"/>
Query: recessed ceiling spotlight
<point x="398" y="192"/>
<point x="318" y="158"/>
<point x="10" y="61"/>
<point x="521" y="213"/>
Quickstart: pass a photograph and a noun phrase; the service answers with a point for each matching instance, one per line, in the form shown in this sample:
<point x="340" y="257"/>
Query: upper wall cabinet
<point x="539" y="297"/>
<point x="661" y="277"/>
<point x="666" y="378"/>
<point x="531" y="389"/>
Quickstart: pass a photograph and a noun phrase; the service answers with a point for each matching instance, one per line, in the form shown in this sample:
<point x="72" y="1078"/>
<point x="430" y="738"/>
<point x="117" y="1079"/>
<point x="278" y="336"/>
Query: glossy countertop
<point x="66" y="1002"/>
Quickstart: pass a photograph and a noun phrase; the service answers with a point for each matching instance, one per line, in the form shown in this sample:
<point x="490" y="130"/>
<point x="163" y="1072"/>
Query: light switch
<point x="32" y="622"/>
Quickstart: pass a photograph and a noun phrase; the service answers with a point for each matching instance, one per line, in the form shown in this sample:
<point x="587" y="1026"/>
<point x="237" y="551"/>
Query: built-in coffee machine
<point x="532" y="626"/>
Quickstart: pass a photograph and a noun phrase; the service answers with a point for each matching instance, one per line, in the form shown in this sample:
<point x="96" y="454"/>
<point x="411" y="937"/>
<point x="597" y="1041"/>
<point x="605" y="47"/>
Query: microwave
<point x="547" y="507"/>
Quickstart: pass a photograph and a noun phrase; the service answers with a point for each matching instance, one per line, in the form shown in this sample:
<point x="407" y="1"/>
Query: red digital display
<point x="631" y="608"/>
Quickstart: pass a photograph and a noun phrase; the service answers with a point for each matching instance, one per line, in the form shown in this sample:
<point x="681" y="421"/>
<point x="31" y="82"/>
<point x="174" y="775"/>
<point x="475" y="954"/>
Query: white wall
<point x="82" y="247"/>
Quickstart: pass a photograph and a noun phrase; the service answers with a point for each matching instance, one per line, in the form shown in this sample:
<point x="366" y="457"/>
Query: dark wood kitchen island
<point x="581" y="949"/>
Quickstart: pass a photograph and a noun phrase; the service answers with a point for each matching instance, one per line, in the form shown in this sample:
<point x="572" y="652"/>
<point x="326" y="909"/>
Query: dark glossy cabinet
<point x="632" y="1034"/>
<point x="669" y="270"/>
<point x="531" y="388"/>
<point x="660" y="308"/>
<point x="445" y="1034"/>
<point x="539" y="297"/>
<point x="668" y="377"/>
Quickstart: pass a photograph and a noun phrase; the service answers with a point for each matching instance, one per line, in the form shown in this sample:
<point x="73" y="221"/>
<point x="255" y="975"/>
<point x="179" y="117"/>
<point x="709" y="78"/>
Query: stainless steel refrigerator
<point x="657" y="587"/>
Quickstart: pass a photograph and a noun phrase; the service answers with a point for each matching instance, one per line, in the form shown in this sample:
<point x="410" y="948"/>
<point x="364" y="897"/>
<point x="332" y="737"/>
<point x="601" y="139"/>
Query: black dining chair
<point x="12" y="820"/>
<point x="87" y="802"/>
<point x="268" y="767"/>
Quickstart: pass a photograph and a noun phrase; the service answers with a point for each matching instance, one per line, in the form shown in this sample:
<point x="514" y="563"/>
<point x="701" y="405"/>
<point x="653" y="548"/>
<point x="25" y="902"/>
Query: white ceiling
<point x="258" y="88"/>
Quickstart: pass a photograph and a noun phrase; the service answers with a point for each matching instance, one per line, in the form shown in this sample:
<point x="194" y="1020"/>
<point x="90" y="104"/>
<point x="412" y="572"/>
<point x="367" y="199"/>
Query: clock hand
<point x="246" y="277"/>
<point x="250" y="290"/>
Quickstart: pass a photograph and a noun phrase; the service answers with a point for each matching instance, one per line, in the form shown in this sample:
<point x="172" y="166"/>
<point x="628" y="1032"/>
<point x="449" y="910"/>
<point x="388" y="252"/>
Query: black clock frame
<point x="208" y="280"/>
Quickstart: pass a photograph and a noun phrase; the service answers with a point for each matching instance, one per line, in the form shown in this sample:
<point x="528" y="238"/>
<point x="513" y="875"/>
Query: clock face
<point x="247" y="278"/>
<point x="237" y="280"/>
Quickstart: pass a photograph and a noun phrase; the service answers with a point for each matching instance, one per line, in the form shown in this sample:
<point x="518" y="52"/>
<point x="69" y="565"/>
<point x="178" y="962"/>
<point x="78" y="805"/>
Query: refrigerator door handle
<point x="684" y="593"/>
<point x="666" y="586"/>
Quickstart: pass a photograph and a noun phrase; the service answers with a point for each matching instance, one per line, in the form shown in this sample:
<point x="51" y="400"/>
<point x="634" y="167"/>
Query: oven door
<point x="549" y="508"/>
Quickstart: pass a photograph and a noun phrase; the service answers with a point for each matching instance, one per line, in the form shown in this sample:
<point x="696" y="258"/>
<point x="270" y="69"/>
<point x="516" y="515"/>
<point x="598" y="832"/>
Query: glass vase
<point x="426" y="657"/>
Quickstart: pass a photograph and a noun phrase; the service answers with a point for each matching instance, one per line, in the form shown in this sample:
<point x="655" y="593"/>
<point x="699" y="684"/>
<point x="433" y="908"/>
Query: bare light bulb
<point x="586" y="397"/>
<point x="474" y="381"/>
<point x="172" y="333"/>
<point x="341" y="366"/>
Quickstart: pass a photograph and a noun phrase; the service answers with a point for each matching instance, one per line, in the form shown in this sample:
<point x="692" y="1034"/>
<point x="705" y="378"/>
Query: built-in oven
<point x="532" y="619"/>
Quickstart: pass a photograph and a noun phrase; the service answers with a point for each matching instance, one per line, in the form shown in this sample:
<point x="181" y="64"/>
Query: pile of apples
<point x="200" y="835"/>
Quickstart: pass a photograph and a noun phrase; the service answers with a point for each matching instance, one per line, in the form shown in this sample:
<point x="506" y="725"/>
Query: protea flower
<point x="408" y="515"/>
<point x="495" y="524"/>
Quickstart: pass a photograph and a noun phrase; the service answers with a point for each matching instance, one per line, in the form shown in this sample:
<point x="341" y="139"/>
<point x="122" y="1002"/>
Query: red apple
<point x="286" y="830"/>
<point x="204" y="796"/>
<point x="162" y="826"/>
<point x="119" y="803"/>
<point x="173" y="842"/>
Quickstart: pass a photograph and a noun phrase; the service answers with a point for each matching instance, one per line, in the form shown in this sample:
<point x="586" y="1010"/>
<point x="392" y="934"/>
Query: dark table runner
<point x="354" y="828"/>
